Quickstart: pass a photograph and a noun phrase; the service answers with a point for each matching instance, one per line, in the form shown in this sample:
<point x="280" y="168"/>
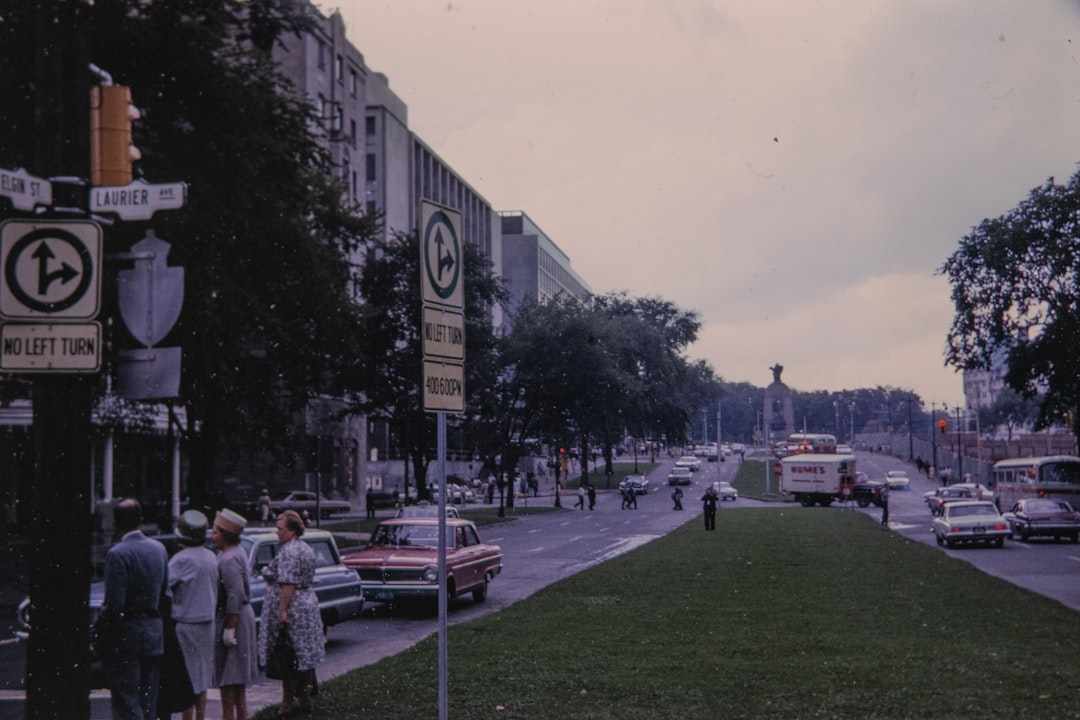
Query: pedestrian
<point x="291" y="603"/>
<point x="592" y="496"/>
<point x="136" y="586"/>
<point x="236" y="651"/>
<point x="263" y="506"/>
<point x="369" y="503"/>
<point x="676" y="497"/>
<point x="633" y="498"/>
<point x="885" y="506"/>
<point x="580" y="504"/>
<point x="193" y="581"/>
<point x="708" y="503"/>
<point x="626" y="493"/>
<point x="305" y="517"/>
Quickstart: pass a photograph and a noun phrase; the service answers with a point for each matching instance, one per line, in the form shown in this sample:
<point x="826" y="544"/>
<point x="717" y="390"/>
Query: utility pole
<point x="57" y="659"/>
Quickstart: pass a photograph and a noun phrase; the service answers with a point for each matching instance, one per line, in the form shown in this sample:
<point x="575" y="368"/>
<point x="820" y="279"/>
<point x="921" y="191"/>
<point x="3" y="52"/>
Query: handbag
<point x="105" y="633"/>
<point x="281" y="662"/>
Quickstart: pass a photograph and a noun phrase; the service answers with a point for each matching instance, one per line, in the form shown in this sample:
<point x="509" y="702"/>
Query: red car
<point x="401" y="560"/>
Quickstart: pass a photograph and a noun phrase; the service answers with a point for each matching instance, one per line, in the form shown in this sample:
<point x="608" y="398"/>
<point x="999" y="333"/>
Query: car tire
<point x="863" y="502"/>
<point x="950" y="543"/>
<point x="479" y="594"/>
<point x="999" y="542"/>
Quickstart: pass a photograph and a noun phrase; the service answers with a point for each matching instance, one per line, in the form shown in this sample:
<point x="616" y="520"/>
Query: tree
<point x="388" y="372"/>
<point x="1014" y="287"/>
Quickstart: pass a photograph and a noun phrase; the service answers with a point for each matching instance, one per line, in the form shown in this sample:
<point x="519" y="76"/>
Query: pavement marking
<point x="1073" y="557"/>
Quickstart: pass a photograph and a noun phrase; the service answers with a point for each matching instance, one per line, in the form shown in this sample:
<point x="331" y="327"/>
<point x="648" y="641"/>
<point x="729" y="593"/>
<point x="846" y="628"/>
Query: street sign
<point x="442" y="297"/>
<point x="50" y="270"/>
<point x="440" y="256"/>
<point x="444" y="386"/>
<point x="25" y="190"/>
<point x="138" y="200"/>
<point x="443" y="334"/>
<point x="50" y="347"/>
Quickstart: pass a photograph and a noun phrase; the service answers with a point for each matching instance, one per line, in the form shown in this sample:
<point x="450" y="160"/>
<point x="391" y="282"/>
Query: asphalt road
<point x="540" y="549"/>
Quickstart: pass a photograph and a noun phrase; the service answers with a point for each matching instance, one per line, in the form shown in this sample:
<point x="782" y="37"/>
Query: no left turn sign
<point x="50" y="270"/>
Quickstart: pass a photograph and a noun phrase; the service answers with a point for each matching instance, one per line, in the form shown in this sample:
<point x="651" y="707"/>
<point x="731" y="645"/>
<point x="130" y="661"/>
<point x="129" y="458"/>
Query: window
<point x="354" y="82"/>
<point x="339" y="70"/>
<point x="369" y="126"/>
<point x="370" y="175"/>
<point x="322" y="55"/>
<point x="352" y="133"/>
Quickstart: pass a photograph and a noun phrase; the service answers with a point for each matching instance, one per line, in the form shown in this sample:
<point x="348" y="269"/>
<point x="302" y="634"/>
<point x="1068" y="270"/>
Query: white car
<point x="689" y="461"/>
<point x="897" y="480"/>
<point x="726" y="491"/>
<point x="679" y="476"/>
<point x="844" y="450"/>
<point x="970" y="521"/>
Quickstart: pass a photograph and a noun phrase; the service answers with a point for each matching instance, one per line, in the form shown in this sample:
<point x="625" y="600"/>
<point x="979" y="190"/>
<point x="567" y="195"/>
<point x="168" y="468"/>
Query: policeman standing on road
<point x="885" y="506"/>
<point x="677" y="498"/>
<point x="708" y="501"/>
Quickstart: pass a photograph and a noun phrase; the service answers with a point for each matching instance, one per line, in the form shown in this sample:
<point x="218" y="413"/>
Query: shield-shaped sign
<point x="152" y="293"/>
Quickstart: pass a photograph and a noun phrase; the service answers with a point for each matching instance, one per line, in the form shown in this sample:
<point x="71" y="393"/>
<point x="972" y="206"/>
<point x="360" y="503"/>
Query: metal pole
<point x="444" y="674"/>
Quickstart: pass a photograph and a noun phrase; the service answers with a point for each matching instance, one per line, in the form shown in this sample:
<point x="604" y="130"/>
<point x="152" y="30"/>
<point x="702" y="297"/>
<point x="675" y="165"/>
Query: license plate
<point x="383" y="595"/>
<point x="980" y="530"/>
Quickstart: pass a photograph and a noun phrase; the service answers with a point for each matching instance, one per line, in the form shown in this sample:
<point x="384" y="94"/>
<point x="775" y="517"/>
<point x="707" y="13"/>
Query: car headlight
<point x="431" y="574"/>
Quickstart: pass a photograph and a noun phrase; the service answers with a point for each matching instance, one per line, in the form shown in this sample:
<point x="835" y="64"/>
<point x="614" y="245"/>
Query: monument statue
<point x="776" y="370"/>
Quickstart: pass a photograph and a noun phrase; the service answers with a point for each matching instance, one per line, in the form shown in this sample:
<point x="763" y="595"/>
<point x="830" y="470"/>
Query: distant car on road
<point x="898" y="480"/>
<point x="1041" y="516"/>
<point x="679" y="476"/>
<point x="938" y="499"/>
<point x="690" y="462"/>
<point x="638" y="483"/>
<point x="425" y="509"/>
<point x="301" y="500"/>
<point x="401" y="561"/>
<point x="726" y="490"/>
<point x="970" y="521"/>
<point x="978" y="491"/>
<point x="844" y="450"/>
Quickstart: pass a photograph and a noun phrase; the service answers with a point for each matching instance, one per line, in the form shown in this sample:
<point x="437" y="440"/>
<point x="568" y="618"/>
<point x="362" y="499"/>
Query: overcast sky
<point x="796" y="172"/>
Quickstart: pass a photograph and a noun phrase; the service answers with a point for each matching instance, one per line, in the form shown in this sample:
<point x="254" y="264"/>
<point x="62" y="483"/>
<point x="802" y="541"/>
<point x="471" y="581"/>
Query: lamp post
<point x="836" y="409"/>
<point x="851" y="424"/>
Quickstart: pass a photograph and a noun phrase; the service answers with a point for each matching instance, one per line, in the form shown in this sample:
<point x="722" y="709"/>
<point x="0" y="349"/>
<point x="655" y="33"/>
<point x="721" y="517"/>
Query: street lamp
<point x="851" y="423"/>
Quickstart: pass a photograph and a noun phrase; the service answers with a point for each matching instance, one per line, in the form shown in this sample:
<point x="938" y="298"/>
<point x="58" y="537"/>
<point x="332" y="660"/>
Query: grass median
<point x="781" y="613"/>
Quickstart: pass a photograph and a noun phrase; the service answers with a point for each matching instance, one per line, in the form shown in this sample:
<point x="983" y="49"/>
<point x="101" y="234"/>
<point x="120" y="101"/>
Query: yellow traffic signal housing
<point x="111" y="151"/>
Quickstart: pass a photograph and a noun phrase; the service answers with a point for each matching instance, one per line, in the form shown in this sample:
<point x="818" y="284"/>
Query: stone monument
<point x="779" y="418"/>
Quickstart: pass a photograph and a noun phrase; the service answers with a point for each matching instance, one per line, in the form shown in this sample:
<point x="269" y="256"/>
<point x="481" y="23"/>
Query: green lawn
<point x="782" y="613"/>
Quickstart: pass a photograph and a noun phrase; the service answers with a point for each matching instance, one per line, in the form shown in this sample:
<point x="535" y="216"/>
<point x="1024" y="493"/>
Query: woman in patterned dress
<point x="237" y="643"/>
<point x="290" y="601"/>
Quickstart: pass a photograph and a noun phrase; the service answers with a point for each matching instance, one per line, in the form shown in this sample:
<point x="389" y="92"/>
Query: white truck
<point x="818" y="479"/>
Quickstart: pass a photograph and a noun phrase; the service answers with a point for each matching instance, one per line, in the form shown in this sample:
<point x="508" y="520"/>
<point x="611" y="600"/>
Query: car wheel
<point x="480" y="594"/>
<point x="1076" y="537"/>
<point x="863" y="502"/>
<point x="999" y="542"/>
<point x="950" y="543"/>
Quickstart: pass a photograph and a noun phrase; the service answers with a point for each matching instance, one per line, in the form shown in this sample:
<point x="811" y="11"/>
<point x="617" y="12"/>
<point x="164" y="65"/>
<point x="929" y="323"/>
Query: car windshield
<point x="1039" y="506"/>
<point x="409" y="535"/>
<point x="966" y="510"/>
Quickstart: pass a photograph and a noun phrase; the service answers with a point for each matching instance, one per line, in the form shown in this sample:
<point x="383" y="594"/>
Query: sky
<point x="795" y="172"/>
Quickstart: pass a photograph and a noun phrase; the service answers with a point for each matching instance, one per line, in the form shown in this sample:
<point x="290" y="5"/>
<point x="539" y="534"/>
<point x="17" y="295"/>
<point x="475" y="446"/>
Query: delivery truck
<point x="814" y="479"/>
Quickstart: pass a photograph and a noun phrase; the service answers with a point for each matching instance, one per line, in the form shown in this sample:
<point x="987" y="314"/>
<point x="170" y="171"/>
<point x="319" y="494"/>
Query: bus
<point x="811" y="443"/>
<point x="1054" y="476"/>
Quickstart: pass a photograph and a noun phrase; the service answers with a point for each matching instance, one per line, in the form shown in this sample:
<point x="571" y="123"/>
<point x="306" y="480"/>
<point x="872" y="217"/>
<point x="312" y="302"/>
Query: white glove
<point x="228" y="638"/>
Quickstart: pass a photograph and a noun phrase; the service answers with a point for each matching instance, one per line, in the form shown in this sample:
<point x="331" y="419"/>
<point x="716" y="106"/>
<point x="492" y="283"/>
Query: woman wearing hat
<point x="193" y="579"/>
<point x="236" y="649"/>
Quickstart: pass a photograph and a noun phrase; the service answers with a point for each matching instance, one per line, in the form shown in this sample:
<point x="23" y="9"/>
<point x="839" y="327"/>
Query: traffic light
<point x="942" y="426"/>
<point x="111" y="151"/>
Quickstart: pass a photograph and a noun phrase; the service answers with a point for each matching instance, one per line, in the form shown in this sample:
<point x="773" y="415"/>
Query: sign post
<point x="442" y="299"/>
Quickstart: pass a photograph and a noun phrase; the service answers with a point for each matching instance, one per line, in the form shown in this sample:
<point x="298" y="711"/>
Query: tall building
<point x="533" y="265"/>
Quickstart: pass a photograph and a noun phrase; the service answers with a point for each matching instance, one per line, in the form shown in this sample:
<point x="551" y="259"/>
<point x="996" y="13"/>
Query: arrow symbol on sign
<point x="445" y="261"/>
<point x="43" y="255"/>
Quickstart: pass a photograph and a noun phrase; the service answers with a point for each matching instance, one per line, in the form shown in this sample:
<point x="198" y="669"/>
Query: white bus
<point x="799" y="443"/>
<point x="1053" y="476"/>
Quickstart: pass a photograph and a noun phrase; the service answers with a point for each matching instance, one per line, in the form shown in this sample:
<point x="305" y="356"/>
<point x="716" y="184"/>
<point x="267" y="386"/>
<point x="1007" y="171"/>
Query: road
<point x="1042" y="565"/>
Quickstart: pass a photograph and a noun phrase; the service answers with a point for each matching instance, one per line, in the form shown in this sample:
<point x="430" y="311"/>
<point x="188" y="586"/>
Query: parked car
<point x="690" y="462"/>
<point x="898" y="480"/>
<point x="679" y="476"/>
<point x="638" y="483"/>
<point x="725" y="490"/>
<point x="1041" y="516"/>
<point x="338" y="588"/>
<point x="970" y="521"/>
<point x="937" y="499"/>
<point x="401" y="560"/>
<point x="301" y="500"/>
<point x="425" y="509"/>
